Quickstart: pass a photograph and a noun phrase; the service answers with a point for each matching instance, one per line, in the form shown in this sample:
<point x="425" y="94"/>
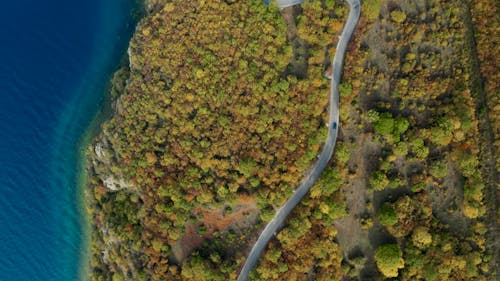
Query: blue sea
<point x="56" y="58"/>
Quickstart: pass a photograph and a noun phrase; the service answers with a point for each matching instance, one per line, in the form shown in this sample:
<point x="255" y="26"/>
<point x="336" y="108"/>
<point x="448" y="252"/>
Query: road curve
<point x="326" y="153"/>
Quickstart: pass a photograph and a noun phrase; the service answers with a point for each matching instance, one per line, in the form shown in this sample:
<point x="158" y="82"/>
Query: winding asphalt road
<point x="326" y="153"/>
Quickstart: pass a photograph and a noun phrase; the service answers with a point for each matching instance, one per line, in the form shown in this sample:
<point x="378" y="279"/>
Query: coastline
<point x="104" y="112"/>
<point x="83" y="267"/>
<point x="85" y="173"/>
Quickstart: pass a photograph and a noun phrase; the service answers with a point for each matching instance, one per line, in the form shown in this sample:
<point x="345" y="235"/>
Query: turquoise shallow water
<point x="56" y="57"/>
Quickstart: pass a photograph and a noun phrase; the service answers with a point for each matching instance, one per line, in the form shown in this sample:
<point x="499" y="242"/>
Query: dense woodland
<point x="222" y="111"/>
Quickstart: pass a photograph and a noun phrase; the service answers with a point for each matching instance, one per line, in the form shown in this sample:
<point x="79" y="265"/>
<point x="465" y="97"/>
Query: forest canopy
<point x="222" y="110"/>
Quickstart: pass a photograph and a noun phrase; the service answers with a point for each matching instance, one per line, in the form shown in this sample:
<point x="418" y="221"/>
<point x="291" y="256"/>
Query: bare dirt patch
<point x="242" y="215"/>
<point x="298" y="65"/>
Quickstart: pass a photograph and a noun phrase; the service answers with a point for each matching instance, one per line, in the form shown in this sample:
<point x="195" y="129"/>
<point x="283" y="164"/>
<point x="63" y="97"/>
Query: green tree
<point x="439" y="169"/>
<point x="387" y="215"/>
<point x="371" y="9"/>
<point x="389" y="259"/>
<point x="342" y="153"/>
<point x="345" y="89"/>
<point x="421" y="237"/>
<point x="398" y="16"/>
<point x="117" y="276"/>
<point x="385" y="124"/>
<point x="378" y="181"/>
<point x="247" y="167"/>
<point x="372" y="116"/>
<point x="418" y="147"/>
<point x="400" y="126"/>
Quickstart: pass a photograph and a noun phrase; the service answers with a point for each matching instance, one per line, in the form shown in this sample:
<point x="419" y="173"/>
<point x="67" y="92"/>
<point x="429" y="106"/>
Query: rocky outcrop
<point x="102" y="159"/>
